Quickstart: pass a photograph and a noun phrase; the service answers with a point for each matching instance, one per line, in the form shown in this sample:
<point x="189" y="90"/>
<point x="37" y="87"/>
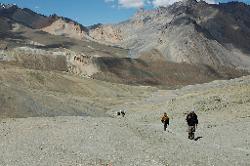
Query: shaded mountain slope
<point x="24" y="16"/>
<point x="159" y="73"/>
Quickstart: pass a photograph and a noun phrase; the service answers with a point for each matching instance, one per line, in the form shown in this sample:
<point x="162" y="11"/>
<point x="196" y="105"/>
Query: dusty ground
<point x="101" y="138"/>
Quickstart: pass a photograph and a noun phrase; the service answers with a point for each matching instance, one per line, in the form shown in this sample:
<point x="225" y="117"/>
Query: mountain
<point x="24" y="16"/>
<point x="188" y="31"/>
<point x="66" y="27"/>
<point x="53" y="24"/>
<point x="25" y="42"/>
<point x="168" y="47"/>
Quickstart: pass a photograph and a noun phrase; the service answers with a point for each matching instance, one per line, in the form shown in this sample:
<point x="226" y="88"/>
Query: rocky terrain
<point x="187" y="31"/>
<point x="52" y="118"/>
<point x="66" y="27"/>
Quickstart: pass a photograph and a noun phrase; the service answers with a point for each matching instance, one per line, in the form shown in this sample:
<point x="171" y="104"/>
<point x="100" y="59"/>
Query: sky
<point x="89" y="12"/>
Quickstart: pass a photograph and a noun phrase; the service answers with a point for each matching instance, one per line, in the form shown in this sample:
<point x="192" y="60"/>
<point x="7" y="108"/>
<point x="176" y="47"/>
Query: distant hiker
<point x="192" y="121"/>
<point x="123" y="113"/>
<point x="165" y="120"/>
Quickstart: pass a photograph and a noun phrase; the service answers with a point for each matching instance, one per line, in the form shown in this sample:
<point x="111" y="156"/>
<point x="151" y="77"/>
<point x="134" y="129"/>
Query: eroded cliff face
<point x="56" y="60"/>
<point x="83" y="65"/>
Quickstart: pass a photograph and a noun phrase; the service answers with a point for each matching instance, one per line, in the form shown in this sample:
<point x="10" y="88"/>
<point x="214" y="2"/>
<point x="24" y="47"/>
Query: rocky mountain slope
<point x="53" y="24"/>
<point x="187" y="31"/>
<point x="24" y="16"/>
<point x="35" y="49"/>
<point x="66" y="27"/>
<point x="146" y="50"/>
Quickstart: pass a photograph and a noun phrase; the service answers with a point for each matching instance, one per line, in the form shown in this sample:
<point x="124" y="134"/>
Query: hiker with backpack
<point x="165" y="120"/>
<point x="192" y="122"/>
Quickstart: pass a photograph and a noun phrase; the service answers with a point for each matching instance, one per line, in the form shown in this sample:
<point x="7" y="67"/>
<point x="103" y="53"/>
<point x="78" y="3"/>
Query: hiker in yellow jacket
<point x="165" y="120"/>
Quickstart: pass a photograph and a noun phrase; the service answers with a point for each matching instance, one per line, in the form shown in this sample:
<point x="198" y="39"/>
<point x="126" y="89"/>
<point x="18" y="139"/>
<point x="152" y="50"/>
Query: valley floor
<point x="223" y="134"/>
<point x="108" y="141"/>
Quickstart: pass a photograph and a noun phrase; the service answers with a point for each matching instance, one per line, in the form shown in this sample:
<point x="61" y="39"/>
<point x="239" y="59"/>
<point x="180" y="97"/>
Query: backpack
<point x="165" y="118"/>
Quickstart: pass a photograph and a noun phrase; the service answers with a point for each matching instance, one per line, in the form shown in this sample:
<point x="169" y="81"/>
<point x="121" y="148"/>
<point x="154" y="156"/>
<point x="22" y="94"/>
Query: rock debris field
<point x="222" y="137"/>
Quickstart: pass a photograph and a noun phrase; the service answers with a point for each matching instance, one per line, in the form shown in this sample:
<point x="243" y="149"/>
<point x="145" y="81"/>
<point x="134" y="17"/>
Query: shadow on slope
<point x="159" y="73"/>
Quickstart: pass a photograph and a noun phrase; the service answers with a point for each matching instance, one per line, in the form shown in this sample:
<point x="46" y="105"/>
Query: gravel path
<point x="223" y="135"/>
<point x="109" y="141"/>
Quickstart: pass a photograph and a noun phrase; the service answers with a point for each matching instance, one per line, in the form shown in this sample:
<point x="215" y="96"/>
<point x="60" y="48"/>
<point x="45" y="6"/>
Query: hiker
<point x="123" y="112"/>
<point x="192" y="121"/>
<point x="165" y="120"/>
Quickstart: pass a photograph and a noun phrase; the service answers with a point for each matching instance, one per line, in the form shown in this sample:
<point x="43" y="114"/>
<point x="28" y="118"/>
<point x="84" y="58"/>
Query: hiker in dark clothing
<point x="192" y="121"/>
<point x="165" y="120"/>
<point x="123" y="113"/>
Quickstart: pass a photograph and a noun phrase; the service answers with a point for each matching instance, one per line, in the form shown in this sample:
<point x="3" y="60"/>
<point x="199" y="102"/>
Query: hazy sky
<point x="88" y="12"/>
